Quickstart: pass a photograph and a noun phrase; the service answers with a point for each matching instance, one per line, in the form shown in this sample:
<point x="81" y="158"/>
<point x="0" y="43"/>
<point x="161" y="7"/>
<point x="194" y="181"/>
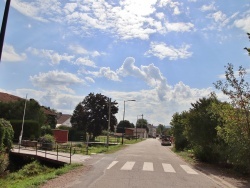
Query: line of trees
<point x="216" y="131"/>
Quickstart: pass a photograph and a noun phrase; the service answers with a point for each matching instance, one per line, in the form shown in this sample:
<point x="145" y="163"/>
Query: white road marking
<point x="112" y="164"/>
<point x="128" y="165"/>
<point x="148" y="166"/>
<point x="168" y="168"/>
<point x="188" y="169"/>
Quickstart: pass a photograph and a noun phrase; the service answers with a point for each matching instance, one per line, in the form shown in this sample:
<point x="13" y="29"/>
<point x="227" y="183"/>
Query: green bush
<point x="32" y="169"/>
<point x="4" y="162"/>
<point x="6" y="135"/>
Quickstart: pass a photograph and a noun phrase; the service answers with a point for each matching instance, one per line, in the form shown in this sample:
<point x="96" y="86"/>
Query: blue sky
<point x="165" y="54"/>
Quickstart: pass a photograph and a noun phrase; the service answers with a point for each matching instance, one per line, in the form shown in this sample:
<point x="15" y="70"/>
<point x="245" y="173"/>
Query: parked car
<point x="166" y="142"/>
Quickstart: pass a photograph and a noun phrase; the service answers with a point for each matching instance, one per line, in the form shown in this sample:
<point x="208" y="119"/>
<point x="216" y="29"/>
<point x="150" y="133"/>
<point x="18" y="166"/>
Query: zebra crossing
<point x="149" y="166"/>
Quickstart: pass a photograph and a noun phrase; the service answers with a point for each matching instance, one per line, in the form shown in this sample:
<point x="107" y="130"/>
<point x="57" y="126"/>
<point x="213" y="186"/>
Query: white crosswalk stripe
<point x="188" y="169"/>
<point x="168" y="168"/>
<point x="112" y="164"/>
<point x="128" y="165"/>
<point x="148" y="166"/>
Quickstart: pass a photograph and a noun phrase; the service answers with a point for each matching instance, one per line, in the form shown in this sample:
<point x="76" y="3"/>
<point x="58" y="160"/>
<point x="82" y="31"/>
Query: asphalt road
<point x="143" y="165"/>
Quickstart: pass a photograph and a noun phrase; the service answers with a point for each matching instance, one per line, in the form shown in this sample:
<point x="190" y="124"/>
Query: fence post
<point x="57" y="151"/>
<point x="70" y="153"/>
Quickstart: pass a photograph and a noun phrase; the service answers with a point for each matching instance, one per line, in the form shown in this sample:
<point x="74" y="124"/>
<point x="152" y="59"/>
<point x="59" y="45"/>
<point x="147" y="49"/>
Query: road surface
<point x="146" y="164"/>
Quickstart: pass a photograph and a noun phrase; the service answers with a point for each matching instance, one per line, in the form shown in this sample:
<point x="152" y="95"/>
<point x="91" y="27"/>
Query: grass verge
<point x="34" y="174"/>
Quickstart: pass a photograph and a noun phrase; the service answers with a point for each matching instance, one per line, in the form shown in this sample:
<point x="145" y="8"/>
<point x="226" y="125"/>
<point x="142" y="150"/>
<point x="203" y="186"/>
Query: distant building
<point x="151" y="130"/>
<point x="139" y="132"/>
<point x="63" y="119"/>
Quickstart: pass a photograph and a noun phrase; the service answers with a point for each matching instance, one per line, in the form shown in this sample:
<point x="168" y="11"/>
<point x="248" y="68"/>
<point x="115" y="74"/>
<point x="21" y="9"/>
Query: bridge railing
<point x="50" y="149"/>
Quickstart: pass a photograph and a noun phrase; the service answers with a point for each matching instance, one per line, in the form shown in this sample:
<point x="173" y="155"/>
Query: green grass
<point x="32" y="175"/>
<point x="187" y="155"/>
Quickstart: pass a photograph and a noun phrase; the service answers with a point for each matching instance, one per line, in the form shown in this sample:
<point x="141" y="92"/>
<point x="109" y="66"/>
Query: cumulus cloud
<point x="126" y="19"/>
<point x="150" y="74"/>
<point x="243" y="23"/>
<point x="218" y="16"/>
<point x="105" y="72"/>
<point x="56" y="81"/>
<point x="85" y="62"/>
<point x="179" y="27"/>
<point x="209" y="7"/>
<point x="9" y="54"/>
<point x="162" y="51"/>
<point x="38" y="9"/>
<point x="55" y="58"/>
<point x="80" y="50"/>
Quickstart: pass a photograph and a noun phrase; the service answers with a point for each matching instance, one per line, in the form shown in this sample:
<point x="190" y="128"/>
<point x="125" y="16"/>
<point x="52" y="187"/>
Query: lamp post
<point x="124" y="117"/>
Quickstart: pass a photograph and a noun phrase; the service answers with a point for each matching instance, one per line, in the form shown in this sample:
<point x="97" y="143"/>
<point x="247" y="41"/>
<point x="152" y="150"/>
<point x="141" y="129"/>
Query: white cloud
<point x="85" y="62"/>
<point x="9" y="54"/>
<point x="55" y="58"/>
<point x="179" y="27"/>
<point x="150" y="74"/>
<point x="218" y="16"/>
<point x="37" y="9"/>
<point x="56" y="81"/>
<point x="243" y="23"/>
<point x="209" y="7"/>
<point x="80" y="50"/>
<point x="106" y="73"/>
<point x="127" y="19"/>
<point x="172" y="4"/>
<point x="162" y="51"/>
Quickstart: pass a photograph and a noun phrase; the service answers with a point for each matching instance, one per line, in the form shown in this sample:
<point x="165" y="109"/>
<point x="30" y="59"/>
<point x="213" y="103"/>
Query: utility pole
<point x="3" y="28"/>
<point x="21" y="133"/>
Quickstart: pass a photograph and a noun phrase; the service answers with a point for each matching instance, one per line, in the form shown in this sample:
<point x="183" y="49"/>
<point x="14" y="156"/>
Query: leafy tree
<point x="248" y="49"/>
<point x="238" y="91"/>
<point x="235" y="130"/>
<point x="14" y="111"/>
<point x="91" y="115"/>
<point x="142" y="123"/>
<point x="122" y="125"/>
<point x="178" y="123"/>
<point x="201" y="129"/>
<point x="160" y="129"/>
<point x="46" y="129"/>
<point x="6" y="137"/>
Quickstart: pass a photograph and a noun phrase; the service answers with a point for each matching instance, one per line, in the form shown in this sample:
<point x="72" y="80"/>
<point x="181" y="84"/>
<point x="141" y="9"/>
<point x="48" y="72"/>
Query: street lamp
<point x="124" y="116"/>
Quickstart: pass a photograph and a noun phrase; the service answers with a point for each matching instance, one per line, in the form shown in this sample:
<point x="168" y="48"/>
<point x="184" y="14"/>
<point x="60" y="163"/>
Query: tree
<point x="6" y="137"/>
<point x="14" y="111"/>
<point x="200" y="129"/>
<point x="122" y="125"/>
<point x="248" y="49"/>
<point x="178" y="123"/>
<point x="238" y="91"/>
<point x="142" y="123"/>
<point x="235" y="130"/>
<point x="160" y="129"/>
<point x="91" y="115"/>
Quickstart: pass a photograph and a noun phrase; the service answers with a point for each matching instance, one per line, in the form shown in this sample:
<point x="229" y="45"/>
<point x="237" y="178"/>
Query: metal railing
<point x="48" y="149"/>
